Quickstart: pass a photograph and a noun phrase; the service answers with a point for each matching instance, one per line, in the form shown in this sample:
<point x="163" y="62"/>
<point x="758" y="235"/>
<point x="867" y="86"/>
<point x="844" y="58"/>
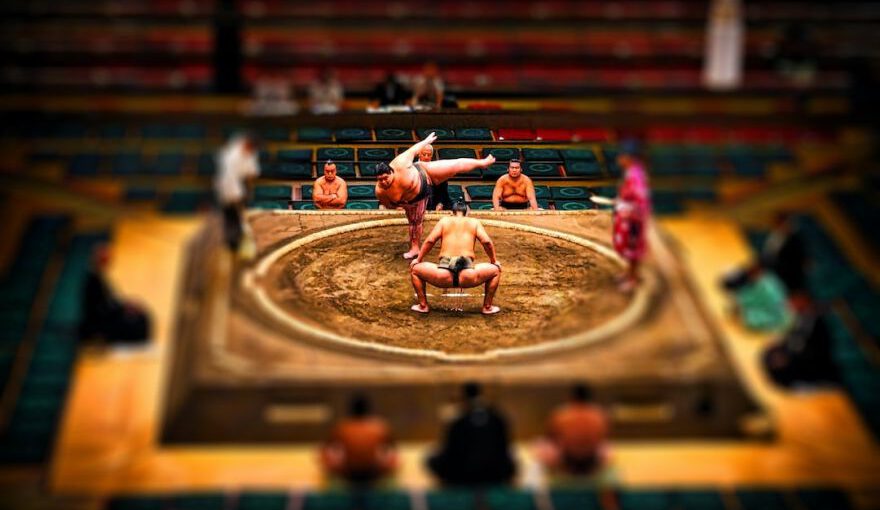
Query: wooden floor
<point x="108" y="440"/>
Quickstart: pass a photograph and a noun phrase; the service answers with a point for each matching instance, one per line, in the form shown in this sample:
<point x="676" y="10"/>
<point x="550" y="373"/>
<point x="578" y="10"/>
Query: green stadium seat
<point x="263" y="501"/>
<point x="343" y="169"/>
<point x="480" y="205"/>
<point x="361" y="192"/>
<point x="442" y="133"/>
<point x="272" y="193"/>
<point x="206" y="164"/>
<point x="136" y="503"/>
<point x="199" y="502"/>
<point x="306" y="191"/>
<point x="191" y="131"/>
<point x="394" y="134"/>
<point x="544" y="155"/>
<point x="368" y="169"/>
<point x="353" y="134"/>
<point x="451" y="499"/>
<point x="456" y="152"/>
<point x="502" y="154"/>
<point x="84" y="165"/>
<point x="823" y="498"/>
<point x="542" y="170"/>
<point x="699" y="499"/>
<point x="275" y="134"/>
<point x="569" y="193"/>
<point x="494" y="171"/>
<point x="631" y="499"/>
<point x="385" y="154"/>
<point x="335" y="153"/>
<point x="474" y="134"/>
<point x="314" y="134"/>
<point x="268" y="204"/>
<point x="298" y="155"/>
<point x="362" y="204"/>
<point x="335" y="500"/>
<point x="303" y="206"/>
<point x="456" y="192"/>
<point x="542" y="192"/>
<point x="578" y="154"/>
<point x="480" y="192"/>
<point x="509" y="499"/>
<point x="157" y="131"/>
<point x="298" y="170"/>
<point x="572" y="205"/>
<point x="127" y="163"/>
<point x="139" y="194"/>
<point x="186" y="201"/>
<point x="168" y="164"/>
<point x="761" y="499"/>
<point x="112" y="131"/>
<point x="575" y="499"/>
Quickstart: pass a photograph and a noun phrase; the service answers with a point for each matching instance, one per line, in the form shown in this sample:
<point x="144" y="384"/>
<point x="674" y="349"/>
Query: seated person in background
<point x="761" y="301"/>
<point x="576" y="439"/>
<point x="390" y="92"/>
<point x="360" y="448"/>
<point x="326" y="93"/>
<point x="105" y="315"/>
<point x="476" y="449"/>
<point x="330" y="191"/>
<point x="514" y="190"/>
<point x="428" y="89"/>
<point x="272" y="97"/>
<point x="804" y="353"/>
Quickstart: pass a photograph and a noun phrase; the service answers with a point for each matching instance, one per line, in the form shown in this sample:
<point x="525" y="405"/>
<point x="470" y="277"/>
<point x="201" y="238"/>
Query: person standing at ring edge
<point x="632" y="214"/>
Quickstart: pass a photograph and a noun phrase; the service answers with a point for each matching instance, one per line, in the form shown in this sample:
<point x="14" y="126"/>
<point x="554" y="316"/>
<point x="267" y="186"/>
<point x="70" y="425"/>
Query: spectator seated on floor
<point x="106" y="316"/>
<point x="476" y="449"/>
<point x="760" y="300"/>
<point x="804" y="354"/>
<point x="326" y="93"/>
<point x="575" y="444"/>
<point x="360" y="448"/>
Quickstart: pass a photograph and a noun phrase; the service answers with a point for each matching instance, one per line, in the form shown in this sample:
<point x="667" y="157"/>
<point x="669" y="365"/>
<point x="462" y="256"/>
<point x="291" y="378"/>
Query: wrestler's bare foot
<point x="492" y="310"/>
<point x="419" y="308"/>
<point x="410" y="254"/>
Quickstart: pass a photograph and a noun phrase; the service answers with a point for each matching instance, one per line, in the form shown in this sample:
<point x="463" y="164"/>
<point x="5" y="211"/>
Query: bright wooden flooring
<point x="108" y="439"/>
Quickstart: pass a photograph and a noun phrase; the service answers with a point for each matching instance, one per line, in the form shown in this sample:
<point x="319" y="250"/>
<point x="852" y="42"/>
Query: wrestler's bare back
<point x="459" y="235"/>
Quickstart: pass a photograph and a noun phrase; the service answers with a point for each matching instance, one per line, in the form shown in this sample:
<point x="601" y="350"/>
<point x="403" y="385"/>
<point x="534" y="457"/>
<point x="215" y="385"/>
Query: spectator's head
<point x="359" y="406"/>
<point x="459" y="207"/>
<point x="471" y="391"/>
<point x="329" y="171"/>
<point x="581" y="393"/>
<point x="514" y="168"/>
<point x="384" y="174"/>
<point x="248" y="140"/>
<point x="427" y="153"/>
<point x="629" y="153"/>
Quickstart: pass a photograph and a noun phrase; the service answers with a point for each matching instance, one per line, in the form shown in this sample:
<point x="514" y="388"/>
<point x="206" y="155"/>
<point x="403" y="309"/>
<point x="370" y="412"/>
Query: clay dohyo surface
<point x="357" y="285"/>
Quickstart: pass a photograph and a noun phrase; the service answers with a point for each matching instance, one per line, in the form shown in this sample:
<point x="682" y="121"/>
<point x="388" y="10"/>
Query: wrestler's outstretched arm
<point x="405" y="158"/>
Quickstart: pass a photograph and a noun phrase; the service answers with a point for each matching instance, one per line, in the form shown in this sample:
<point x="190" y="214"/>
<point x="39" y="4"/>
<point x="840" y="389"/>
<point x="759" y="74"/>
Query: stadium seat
<point x="480" y="192"/>
<point x="183" y="201"/>
<point x="168" y="163"/>
<point x="699" y="499"/>
<point x="361" y="192"/>
<point x="575" y="499"/>
<point x="456" y="152"/>
<point x="272" y="193"/>
<point x="474" y="134"/>
<point x="823" y="498"/>
<point x="306" y="191"/>
<point x="451" y="499"/>
<point x="394" y="135"/>
<point x="554" y="135"/>
<point x="443" y="134"/>
<point x="385" y="154"/>
<point x="494" y="171"/>
<point x="543" y="155"/>
<point x="572" y="205"/>
<point x="569" y="193"/>
<point x="139" y="193"/>
<point x="263" y="501"/>
<point x="314" y="134"/>
<point x="352" y="134"/>
<point x="642" y="499"/>
<point x="296" y="170"/>
<point x="291" y="155"/>
<point x="592" y="135"/>
<point x="205" y="165"/>
<point x="480" y="205"/>
<point x="541" y="170"/>
<point x="303" y="205"/>
<point x="456" y="192"/>
<point x="362" y="204"/>
<point x="127" y="163"/>
<point x="509" y="499"/>
<point x="368" y="169"/>
<point x="84" y="165"/>
<point x="207" y="501"/>
<point x="580" y="168"/>
<point x="761" y="499"/>
<point x="136" y="503"/>
<point x="334" y="153"/>
<point x="502" y="154"/>
<point x="542" y="192"/>
<point x="343" y="169"/>
<point x="578" y="154"/>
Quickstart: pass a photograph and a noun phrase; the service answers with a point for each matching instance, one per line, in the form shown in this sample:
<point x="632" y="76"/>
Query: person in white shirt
<point x="237" y="166"/>
<point x="326" y="93"/>
<point x="428" y="87"/>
